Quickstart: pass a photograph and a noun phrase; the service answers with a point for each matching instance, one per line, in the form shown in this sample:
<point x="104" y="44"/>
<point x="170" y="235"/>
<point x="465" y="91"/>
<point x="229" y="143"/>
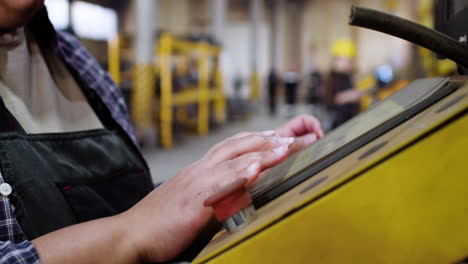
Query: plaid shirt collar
<point x="87" y="68"/>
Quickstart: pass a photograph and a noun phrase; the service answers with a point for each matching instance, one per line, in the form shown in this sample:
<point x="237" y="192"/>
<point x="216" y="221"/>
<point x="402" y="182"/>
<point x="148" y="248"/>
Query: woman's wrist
<point x="125" y="240"/>
<point x="99" y="241"/>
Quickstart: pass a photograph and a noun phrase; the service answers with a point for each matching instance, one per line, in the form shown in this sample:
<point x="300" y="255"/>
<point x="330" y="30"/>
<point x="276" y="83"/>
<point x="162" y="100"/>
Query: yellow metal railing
<point x="364" y="86"/>
<point x="208" y="89"/>
<point x="202" y="94"/>
<point x="165" y="104"/>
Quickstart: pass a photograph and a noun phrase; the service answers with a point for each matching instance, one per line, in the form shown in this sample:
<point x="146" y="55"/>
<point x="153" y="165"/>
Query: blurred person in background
<point x="314" y="87"/>
<point x="315" y="92"/>
<point x="74" y="185"/>
<point x="273" y="82"/>
<point x="341" y="97"/>
<point x="315" y="81"/>
<point x="238" y="106"/>
<point x="238" y="83"/>
<point x="291" y="81"/>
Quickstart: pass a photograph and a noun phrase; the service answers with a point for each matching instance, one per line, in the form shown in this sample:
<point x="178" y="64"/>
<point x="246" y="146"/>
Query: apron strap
<point x="8" y="122"/>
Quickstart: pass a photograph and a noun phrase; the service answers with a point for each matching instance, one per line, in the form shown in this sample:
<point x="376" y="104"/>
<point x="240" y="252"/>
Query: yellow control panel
<point x="402" y="197"/>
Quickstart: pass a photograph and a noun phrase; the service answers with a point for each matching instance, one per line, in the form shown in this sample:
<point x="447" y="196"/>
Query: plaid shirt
<point x="14" y="248"/>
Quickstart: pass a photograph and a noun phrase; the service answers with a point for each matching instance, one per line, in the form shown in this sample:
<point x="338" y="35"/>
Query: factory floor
<point x="166" y="163"/>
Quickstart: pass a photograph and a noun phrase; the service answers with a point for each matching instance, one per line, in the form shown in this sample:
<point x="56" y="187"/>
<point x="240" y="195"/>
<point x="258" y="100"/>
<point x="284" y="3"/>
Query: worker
<point x="314" y="80"/>
<point x="74" y="187"/>
<point x="291" y="84"/>
<point x="342" y="99"/>
<point x="273" y="82"/>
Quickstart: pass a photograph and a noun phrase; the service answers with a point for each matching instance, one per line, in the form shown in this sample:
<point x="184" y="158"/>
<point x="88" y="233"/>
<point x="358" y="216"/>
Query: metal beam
<point x="143" y="92"/>
<point x="277" y="32"/>
<point x="255" y="16"/>
<point x="144" y="35"/>
<point x="218" y="10"/>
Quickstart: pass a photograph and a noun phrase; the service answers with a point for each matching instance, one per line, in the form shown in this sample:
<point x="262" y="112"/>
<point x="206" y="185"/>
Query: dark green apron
<point x="62" y="179"/>
<point x="67" y="178"/>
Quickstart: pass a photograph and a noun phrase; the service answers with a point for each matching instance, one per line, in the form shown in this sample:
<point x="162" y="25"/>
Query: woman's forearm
<point x="100" y="241"/>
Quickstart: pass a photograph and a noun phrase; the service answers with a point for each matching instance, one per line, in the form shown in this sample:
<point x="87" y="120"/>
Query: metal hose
<point x="410" y="31"/>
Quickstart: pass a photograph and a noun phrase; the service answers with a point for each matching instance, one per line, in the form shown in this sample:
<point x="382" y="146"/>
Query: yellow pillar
<point x="165" y="74"/>
<point x="255" y="14"/>
<point x="143" y="94"/>
<point x="220" y="102"/>
<point x="114" y="58"/>
<point x="255" y="84"/>
<point x="203" y="90"/>
<point x="143" y="81"/>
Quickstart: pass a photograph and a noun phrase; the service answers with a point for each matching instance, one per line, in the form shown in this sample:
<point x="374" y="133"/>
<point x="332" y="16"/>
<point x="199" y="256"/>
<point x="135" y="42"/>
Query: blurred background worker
<point x="273" y="83"/>
<point x="314" y="87"/>
<point x="342" y="98"/>
<point x="291" y="81"/>
<point x="315" y="93"/>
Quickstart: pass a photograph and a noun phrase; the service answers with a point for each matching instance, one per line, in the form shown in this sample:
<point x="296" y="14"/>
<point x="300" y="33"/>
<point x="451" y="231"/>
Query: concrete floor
<point x="187" y="149"/>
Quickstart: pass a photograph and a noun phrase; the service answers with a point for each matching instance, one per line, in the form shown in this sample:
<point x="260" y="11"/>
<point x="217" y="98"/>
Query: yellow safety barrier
<point x="207" y="90"/>
<point x="143" y="81"/>
<point x="202" y="94"/>
<point x="386" y="92"/>
<point x="364" y="86"/>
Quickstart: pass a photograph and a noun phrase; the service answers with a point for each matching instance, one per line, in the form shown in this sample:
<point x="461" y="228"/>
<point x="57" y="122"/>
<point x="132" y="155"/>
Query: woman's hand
<point x="175" y="211"/>
<point x="167" y="220"/>
<point x="305" y="129"/>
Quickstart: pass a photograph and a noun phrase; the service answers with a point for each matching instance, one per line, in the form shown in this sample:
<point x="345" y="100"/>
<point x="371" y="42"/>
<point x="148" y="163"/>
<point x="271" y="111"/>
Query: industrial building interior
<point x="253" y="37"/>
<point x="385" y="183"/>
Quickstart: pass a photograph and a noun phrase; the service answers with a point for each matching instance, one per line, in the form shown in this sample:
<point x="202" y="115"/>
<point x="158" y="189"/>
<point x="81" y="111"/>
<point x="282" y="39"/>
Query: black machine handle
<point x="410" y="31"/>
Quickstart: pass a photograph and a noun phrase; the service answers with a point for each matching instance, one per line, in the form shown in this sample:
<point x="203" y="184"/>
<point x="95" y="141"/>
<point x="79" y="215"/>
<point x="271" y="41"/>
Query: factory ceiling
<point x="116" y="4"/>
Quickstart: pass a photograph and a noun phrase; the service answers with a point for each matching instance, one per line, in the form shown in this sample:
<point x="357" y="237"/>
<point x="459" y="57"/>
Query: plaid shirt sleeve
<point x="13" y="246"/>
<point x="22" y="253"/>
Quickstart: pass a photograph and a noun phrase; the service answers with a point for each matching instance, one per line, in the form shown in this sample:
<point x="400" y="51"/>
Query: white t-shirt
<point x="40" y="92"/>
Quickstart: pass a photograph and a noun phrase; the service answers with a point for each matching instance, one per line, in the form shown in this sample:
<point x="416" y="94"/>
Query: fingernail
<point x="309" y="139"/>
<point x="286" y="140"/>
<point x="267" y="133"/>
<point x="281" y="150"/>
<point x="252" y="169"/>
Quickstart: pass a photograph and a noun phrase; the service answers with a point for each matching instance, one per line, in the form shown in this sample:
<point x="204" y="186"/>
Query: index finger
<point x="301" y="125"/>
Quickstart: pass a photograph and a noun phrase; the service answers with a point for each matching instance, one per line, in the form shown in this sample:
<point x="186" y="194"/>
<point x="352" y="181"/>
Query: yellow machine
<point x="389" y="186"/>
